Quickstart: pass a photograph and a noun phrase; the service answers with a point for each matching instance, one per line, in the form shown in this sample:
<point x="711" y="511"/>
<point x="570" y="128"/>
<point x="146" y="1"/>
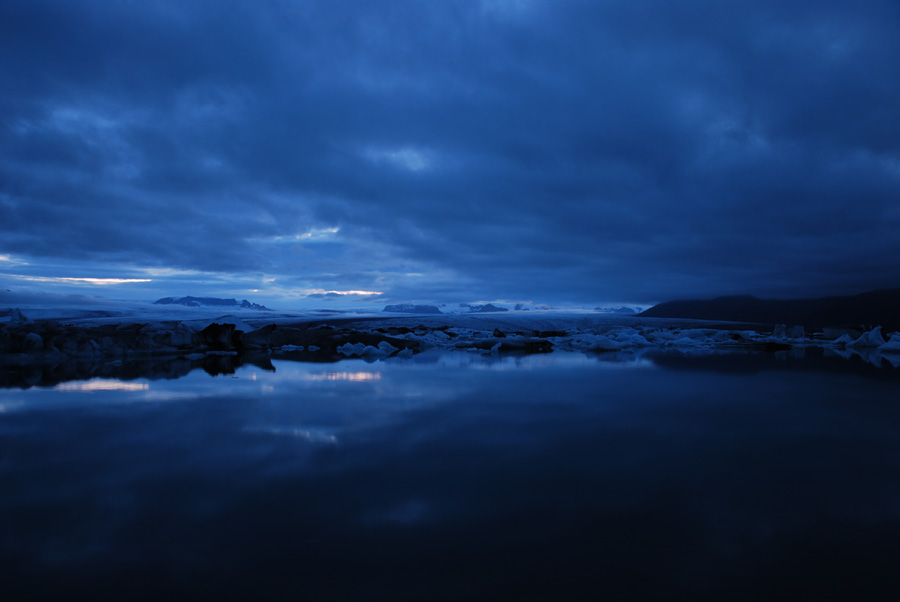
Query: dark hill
<point x="881" y="307"/>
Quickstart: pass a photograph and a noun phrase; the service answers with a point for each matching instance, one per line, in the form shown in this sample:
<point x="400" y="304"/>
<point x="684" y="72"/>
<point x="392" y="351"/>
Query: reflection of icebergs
<point x="838" y="352"/>
<point x="100" y="384"/>
<point x="892" y="359"/>
<point x="869" y="339"/>
<point x="866" y="354"/>
<point x="892" y="346"/>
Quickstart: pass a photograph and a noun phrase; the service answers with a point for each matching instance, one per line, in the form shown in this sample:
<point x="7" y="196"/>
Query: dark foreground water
<point x="459" y="477"/>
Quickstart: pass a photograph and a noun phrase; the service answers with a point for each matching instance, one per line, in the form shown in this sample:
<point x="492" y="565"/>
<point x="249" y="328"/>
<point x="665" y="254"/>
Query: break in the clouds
<point x="554" y="151"/>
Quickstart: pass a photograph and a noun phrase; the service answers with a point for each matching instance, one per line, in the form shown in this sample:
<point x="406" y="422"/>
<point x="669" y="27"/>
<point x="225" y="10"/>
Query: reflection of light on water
<point x="100" y="384"/>
<point x="350" y="376"/>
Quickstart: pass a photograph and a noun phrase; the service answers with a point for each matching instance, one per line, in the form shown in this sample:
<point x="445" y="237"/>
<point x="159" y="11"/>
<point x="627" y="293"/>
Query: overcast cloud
<point x="521" y="150"/>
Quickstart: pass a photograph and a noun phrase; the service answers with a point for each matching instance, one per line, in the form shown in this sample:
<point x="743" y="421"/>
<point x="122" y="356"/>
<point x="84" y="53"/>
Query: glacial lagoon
<point x="459" y="476"/>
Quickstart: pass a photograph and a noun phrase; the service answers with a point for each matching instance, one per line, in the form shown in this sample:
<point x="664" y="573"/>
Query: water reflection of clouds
<point x="10" y="406"/>
<point x="562" y="464"/>
<point x="313" y="436"/>
<point x="871" y="356"/>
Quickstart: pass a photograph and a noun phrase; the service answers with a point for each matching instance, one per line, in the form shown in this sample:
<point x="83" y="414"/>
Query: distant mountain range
<point x="211" y="302"/>
<point x="411" y="308"/>
<point x="617" y="310"/>
<point x="881" y="307"/>
<point x="484" y="309"/>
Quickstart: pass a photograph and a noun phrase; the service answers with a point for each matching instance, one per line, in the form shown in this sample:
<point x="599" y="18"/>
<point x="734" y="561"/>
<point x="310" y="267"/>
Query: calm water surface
<point x="458" y="477"/>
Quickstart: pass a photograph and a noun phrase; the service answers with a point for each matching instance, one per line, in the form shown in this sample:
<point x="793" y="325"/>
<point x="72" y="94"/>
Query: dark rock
<point x="510" y="345"/>
<point x="544" y="334"/>
<point x="219" y="337"/>
<point x="260" y="338"/>
<point x="32" y="342"/>
<point x="499" y="333"/>
<point x="398" y="330"/>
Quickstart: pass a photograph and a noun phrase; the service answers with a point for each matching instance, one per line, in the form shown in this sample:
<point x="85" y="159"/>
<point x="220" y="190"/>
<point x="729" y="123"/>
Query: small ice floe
<point x="599" y="342"/>
<point x="893" y="345"/>
<point x="872" y="338"/>
<point x="628" y="337"/>
<point x="17" y="317"/>
<point x="292" y="347"/>
<point x="843" y="340"/>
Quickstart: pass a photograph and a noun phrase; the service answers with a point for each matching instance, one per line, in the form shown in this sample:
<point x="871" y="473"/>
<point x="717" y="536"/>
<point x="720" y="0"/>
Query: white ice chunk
<point x="843" y="340"/>
<point x="386" y="347"/>
<point x="599" y="342"/>
<point x="892" y="346"/>
<point x="872" y="338"/>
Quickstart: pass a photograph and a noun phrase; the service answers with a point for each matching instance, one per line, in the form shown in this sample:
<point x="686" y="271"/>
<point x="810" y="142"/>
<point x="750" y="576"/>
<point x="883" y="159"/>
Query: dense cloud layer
<point x="556" y="151"/>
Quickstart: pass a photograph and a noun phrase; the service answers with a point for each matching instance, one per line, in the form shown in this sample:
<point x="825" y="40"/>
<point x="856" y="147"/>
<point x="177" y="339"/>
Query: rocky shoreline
<point x="43" y="353"/>
<point x="31" y="342"/>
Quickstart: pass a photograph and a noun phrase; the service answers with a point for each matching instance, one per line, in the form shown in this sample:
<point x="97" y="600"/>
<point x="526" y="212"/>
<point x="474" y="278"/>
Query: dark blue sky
<point x="498" y="150"/>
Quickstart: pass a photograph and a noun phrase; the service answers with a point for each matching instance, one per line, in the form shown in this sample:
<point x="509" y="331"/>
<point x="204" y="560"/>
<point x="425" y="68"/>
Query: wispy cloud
<point x="94" y="281"/>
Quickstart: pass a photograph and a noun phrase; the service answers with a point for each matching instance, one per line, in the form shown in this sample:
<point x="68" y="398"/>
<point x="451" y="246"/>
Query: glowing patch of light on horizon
<point x="100" y="385"/>
<point x="356" y="377"/>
